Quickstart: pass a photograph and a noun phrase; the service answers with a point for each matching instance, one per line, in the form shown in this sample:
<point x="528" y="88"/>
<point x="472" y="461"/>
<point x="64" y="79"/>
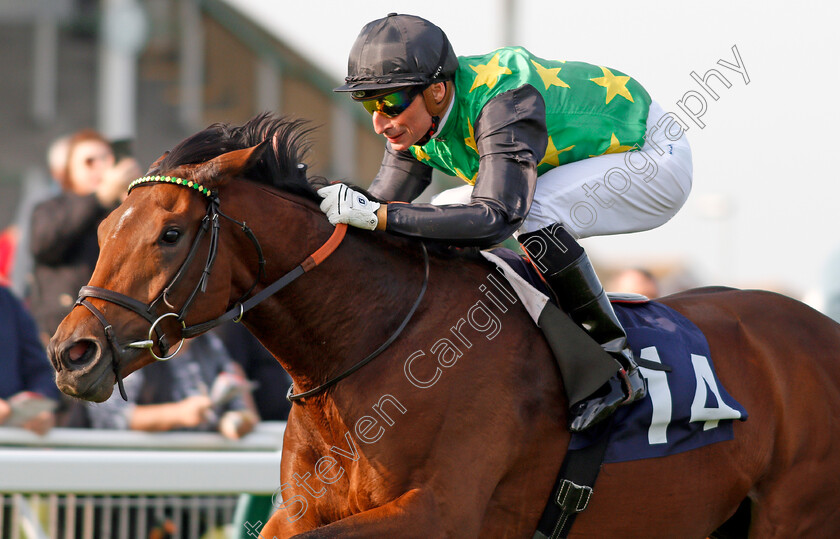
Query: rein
<point x="292" y="397"/>
<point x="241" y="306"/>
<point x="209" y="222"/>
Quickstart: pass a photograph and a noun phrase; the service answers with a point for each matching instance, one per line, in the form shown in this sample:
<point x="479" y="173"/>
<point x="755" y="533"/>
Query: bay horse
<point x="458" y="441"/>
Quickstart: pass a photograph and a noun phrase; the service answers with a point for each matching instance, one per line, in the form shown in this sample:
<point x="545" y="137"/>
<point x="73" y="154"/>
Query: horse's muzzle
<point x="82" y="370"/>
<point x="79" y="354"/>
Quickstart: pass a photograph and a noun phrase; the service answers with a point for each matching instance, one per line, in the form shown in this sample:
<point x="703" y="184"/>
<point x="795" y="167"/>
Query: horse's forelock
<point x="278" y="167"/>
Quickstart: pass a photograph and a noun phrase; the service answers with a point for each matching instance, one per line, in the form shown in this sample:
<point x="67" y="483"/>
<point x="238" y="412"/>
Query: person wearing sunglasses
<point x="62" y="240"/>
<point x="544" y="147"/>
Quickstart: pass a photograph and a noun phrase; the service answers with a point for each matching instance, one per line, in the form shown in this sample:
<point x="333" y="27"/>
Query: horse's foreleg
<point x="414" y="514"/>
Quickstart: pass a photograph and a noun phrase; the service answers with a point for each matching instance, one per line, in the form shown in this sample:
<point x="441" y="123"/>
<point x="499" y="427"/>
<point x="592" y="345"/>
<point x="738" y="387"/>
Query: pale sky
<point x="764" y="204"/>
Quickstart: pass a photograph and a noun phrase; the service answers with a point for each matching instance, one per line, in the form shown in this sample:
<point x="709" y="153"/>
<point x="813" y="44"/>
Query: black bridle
<point x="210" y="223"/>
<point x="241" y="306"/>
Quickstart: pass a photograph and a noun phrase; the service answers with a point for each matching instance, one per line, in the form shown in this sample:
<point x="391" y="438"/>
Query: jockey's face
<point x="405" y="129"/>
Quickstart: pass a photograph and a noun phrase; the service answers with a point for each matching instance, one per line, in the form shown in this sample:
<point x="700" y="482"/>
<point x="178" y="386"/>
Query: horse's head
<point x="158" y="251"/>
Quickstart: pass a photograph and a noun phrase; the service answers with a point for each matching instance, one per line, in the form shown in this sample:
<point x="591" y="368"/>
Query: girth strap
<point x="574" y="485"/>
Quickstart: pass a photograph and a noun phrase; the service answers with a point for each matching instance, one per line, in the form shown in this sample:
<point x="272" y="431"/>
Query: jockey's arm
<point x="401" y="177"/>
<point x="511" y="137"/>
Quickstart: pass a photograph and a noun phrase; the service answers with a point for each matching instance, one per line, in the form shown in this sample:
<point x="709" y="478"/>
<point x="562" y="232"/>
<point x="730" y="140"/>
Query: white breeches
<point x="614" y="193"/>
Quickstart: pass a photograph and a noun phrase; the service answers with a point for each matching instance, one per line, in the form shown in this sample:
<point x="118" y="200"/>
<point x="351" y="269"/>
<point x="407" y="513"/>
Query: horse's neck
<point x="331" y="316"/>
<point x="336" y="314"/>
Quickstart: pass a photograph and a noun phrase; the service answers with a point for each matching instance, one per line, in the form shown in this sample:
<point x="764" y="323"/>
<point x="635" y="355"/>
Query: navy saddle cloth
<point x="685" y="408"/>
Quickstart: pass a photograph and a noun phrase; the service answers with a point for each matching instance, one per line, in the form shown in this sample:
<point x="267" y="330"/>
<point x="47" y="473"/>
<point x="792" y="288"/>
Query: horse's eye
<point x="170" y="236"/>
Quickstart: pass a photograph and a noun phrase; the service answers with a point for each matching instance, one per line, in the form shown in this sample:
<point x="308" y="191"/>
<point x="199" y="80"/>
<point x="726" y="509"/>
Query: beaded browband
<point x="170" y="179"/>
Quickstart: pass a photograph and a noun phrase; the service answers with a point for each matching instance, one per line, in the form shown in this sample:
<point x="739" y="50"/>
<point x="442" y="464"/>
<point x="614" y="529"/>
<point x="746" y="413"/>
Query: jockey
<point x="544" y="147"/>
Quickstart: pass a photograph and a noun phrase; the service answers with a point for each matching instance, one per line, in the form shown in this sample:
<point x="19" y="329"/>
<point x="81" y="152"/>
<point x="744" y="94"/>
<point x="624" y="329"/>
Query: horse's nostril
<point x="80" y="353"/>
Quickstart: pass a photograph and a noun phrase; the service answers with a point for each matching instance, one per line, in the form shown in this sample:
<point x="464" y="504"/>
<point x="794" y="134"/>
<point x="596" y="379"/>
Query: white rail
<point x="83" y="461"/>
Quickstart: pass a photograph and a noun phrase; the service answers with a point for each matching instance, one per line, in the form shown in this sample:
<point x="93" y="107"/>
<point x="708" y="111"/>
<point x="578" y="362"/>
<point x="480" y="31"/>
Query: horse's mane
<point x="277" y="168"/>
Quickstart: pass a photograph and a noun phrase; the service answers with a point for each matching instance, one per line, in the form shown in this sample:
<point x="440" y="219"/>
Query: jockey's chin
<point x="403" y="141"/>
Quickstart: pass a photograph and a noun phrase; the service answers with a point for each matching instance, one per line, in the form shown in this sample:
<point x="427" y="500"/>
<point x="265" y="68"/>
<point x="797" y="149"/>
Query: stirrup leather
<point x="566" y="269"/>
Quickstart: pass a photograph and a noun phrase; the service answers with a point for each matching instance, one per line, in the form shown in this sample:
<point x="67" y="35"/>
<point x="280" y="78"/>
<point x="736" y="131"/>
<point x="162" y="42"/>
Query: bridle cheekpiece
<point x="210" y="223"/>
<point x="241" y="306"/>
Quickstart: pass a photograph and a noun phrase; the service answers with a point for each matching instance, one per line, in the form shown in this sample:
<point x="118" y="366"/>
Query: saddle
<point x="686" y="407"/>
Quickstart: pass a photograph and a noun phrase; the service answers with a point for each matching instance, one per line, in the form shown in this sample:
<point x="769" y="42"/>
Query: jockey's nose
<point x="380" y="122"/>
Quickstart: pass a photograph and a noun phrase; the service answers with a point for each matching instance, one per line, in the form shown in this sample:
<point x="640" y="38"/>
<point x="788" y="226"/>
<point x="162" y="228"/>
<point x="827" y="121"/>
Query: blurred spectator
<point x="202" y="389"/>
<point x="8" y="244"/>
<point x="57" y="155"/>
<point x="63" y="239"/>
<point x="262" y="368"/>
<point x="36" y="188"/>
<point x="635" y="281"/>
<point x="27" y="388"/>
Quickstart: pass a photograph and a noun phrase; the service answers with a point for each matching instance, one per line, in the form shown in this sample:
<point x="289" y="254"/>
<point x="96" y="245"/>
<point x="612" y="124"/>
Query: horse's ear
<point x="218" y="170"/>
<point x="156" y="165"/>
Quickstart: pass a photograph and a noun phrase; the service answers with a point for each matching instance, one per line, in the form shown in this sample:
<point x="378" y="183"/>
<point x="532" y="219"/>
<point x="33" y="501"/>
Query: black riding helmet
<point x="398" y="51"/>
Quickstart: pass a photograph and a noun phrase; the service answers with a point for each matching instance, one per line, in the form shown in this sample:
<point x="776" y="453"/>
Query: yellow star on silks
<point x="489" y="73"/>
<point x="421" y="155"/>
<point x="470" y="141"/>
<point x="551" y="153"/>
<point x="615" y="147"/>
<point x="549" y="75"/>
<point x="615" y="85"/>
<point x="463" y="176"/>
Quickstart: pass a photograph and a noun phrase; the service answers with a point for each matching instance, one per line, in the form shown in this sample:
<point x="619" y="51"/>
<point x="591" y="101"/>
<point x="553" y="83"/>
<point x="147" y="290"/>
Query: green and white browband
<point x="170" y="179"/>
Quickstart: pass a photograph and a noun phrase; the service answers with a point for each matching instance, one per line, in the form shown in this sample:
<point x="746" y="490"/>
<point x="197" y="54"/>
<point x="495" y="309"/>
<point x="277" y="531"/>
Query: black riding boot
<point x="567" y="270"/>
